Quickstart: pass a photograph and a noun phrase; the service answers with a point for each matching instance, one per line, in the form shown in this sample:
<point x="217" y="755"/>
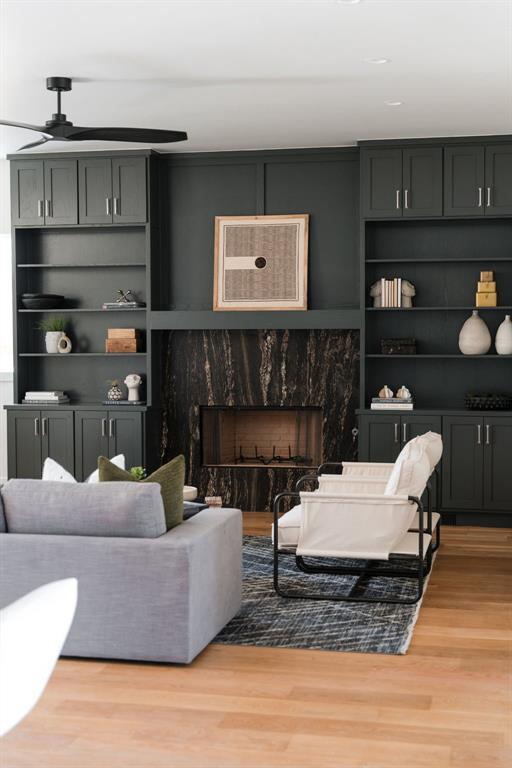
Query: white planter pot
<point x="52" y="341"/>
<point x="474" y="336"/>
<point x="504" y="337"/>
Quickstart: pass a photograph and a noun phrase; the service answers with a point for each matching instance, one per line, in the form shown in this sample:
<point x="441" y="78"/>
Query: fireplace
<point x="261" y="437"/>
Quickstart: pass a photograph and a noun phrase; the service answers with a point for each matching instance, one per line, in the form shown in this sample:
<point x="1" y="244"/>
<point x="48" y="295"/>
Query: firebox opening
<point x="261" y="437"/>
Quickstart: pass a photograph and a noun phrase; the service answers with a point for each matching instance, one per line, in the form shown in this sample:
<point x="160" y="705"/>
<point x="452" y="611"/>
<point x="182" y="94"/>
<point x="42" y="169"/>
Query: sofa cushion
<point x="127" y="510"/>
<point x="52" y="470"/>
<point x="411" y="472"/>
<point x="170" y="477"/>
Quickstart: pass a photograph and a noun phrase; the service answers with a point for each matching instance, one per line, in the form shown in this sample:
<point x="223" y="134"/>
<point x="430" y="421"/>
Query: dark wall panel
<point x="329" y="191"/>
<point x="196" y="194"/>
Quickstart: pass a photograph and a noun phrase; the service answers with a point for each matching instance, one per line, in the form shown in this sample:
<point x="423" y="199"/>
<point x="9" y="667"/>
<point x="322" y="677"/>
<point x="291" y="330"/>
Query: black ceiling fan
<point x="60" y="129"/>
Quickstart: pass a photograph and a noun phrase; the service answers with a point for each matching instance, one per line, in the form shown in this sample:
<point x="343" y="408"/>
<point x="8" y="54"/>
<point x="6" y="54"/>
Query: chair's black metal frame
<point x="420" y="564"/>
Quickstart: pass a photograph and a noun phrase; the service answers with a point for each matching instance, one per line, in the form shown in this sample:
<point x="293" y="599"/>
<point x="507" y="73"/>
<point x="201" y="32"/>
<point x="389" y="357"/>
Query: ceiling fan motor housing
<point x="58" y="84"/>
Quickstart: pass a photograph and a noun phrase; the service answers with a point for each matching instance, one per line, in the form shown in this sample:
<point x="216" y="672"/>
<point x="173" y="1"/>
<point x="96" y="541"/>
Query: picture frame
<point x="261" y="263"/>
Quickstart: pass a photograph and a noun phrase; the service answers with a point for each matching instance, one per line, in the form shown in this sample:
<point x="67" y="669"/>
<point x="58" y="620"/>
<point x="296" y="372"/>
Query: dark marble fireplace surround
<point x="257" y="368"/>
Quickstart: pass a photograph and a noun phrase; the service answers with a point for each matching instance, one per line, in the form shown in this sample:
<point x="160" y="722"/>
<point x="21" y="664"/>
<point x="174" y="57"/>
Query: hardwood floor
<point x="447" y="703"/>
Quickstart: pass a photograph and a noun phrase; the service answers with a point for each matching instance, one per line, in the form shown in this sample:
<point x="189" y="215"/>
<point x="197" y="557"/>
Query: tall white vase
<point x="503" y="340"/>
<point x="474" y="336"/>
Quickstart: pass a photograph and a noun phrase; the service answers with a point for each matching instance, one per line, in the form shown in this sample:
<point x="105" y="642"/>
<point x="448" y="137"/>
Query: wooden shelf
<point x="437" y="309"/>
<point x="82" y="266"/>
<point x="456" y="260"/>
<point x="82" y="354"/>
<point x="458" y="356"/>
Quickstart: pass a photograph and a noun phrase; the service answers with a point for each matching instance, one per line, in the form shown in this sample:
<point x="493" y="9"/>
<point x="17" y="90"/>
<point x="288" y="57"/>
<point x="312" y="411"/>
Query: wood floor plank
<point x="446" y="704"/>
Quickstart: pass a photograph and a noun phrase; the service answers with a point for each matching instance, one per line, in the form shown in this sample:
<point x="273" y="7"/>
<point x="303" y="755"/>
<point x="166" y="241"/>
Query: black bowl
<point x="42" y="300"/>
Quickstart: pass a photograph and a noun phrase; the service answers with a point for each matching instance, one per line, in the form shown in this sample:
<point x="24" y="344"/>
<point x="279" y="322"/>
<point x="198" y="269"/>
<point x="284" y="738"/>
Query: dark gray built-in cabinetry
<point x="83" y="227"/>
<point x="441" y="249"/>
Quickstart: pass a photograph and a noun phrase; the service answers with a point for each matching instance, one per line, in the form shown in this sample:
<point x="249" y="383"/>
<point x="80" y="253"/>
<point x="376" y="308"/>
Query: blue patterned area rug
<point x="269" y="620"/>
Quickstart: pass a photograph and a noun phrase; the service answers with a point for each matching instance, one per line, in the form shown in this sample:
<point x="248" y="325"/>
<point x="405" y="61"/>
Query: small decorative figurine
<point x="385" y="393"/>
<point x="64" y="345"/>
<point x="133" y="381"/>
<point x="115" y="392"/>
<point x="404" y="393"/>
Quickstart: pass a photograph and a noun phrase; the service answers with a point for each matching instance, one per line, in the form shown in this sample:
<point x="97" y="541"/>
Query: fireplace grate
<point x="274" y="459"/>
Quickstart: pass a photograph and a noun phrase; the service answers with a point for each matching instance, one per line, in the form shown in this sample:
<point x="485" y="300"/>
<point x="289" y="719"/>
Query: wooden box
<point x="121" y="345"/>
<point x="486" y="277"/>
<point x="486" y="299"/>
<point x="487" y="287"/>
<point x="123" y="333"/>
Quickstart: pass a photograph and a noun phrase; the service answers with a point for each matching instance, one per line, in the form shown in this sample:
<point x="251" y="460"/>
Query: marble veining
<point x="258" y="368"/>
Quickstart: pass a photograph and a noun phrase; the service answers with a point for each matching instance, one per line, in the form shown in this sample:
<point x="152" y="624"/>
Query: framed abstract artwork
<point x="261" y="262"/>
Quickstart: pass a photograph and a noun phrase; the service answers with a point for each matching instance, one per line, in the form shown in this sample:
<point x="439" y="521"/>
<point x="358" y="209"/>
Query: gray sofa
<point x="143" y="597"/>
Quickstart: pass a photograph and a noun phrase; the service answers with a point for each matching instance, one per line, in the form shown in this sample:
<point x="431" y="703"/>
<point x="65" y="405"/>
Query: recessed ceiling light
<point x="393" y="103"/>
<point x="376" y="61"/>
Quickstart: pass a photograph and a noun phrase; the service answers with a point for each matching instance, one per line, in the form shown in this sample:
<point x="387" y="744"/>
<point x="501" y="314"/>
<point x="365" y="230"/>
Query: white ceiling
<point x="246" y="74"/>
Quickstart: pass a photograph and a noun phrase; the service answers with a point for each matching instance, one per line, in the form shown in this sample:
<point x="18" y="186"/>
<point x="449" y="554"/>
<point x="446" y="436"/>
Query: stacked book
<point x="391" y="292"/>
<point x="123" y="305"/>
<point x="45" y="397"/>
<point x="392" y="404"/>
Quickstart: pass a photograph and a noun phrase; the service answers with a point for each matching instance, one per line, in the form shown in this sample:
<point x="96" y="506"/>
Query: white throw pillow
<point x="118" y="460"/>
<point x="411" y="472"/>
<point x="433" y="444"/>
<point x="52" y="470"/>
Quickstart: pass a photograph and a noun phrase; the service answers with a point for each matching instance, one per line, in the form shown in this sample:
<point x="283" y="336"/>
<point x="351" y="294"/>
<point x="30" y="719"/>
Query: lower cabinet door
<point x="57" y="438"/>
<point x="462" y="465"/>
<point x="24" y="443"/>
<point x="498" y="463"/>
<point x="125" y="436"/>
<point x="91" y="441"/>
<point x="379" y="438"/>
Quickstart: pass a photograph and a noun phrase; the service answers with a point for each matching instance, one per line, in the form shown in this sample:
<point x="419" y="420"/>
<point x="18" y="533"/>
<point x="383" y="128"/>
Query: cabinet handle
<point x="107" y="206"/>
<point x="111" y="427"/>
<point x="480" y="197"/>
<point x="487" y="434"/>
<point x="116" y="206"/>
<point x="488" y="197"/>
<point x="103" y="427"/>
<point x="46" y="207"/>
<point x="44" y="423"/>
<point x="404" y="432"/>
<point x="398" y="199"/>
<point x="40" y="212"/>
<point x="406" y="198"/>
<point x="479" y="434"/>
<point x="396" y="432"/>
<point x="36" y="427"/>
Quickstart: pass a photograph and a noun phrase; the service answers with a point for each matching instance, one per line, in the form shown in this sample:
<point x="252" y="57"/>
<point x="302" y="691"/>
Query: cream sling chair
<point x="371" y="513"/>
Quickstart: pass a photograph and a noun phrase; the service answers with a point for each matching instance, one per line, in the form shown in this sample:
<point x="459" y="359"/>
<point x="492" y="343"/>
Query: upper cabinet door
<point x="27" y="192"/>
<point x="464" y="181"/>
<point x="95" y="190"/>
<point x="60" y="192"/>
<point x="498" y="180"/>
<point x="497" y="453"/>
<point x="381" y="182"/>
<point x="422" y="182"/>
<point x="129" y="189"/>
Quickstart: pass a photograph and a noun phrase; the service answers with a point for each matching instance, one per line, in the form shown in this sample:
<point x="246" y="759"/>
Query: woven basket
<point x="488" y="402"/>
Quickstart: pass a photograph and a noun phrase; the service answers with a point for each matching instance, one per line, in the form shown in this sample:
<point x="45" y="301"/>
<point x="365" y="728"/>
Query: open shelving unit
<point x="443" y="260"/>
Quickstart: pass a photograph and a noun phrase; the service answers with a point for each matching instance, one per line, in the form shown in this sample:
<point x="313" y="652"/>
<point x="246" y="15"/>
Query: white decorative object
<point x="32" y="632"/>
<point x="64" y="345"/>
<point x="53" y="471"/>
<point x="474" y="336"/>
<point x="51" y="339"/>
<point x="385" y="392"/>
<point x="133" y="382"/>
<point x="504" y="337"/>
<point x="408" y="291"/>
<point x="403" y="392"/>
<point x="189" y="493"/>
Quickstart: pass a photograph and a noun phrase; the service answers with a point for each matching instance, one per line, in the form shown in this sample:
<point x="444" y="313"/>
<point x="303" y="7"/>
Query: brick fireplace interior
<point x="261" y="437"/>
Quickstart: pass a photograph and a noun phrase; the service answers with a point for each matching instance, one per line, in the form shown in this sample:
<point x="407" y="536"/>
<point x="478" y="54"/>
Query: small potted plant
<point x="54" y="329"/>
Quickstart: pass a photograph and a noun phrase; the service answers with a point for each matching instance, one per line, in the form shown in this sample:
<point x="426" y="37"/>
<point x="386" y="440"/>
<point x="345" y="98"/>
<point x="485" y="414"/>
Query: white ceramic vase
<point x="52" y="339"/>
<point x="474" y="336"/>
<point x="503" y="341"/>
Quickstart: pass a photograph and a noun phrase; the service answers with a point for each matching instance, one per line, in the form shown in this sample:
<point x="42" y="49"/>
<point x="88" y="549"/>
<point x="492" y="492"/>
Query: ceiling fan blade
<point x="42" y="140"/>
<point x="145" y="135"/>
<point x="38" y="128"/>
